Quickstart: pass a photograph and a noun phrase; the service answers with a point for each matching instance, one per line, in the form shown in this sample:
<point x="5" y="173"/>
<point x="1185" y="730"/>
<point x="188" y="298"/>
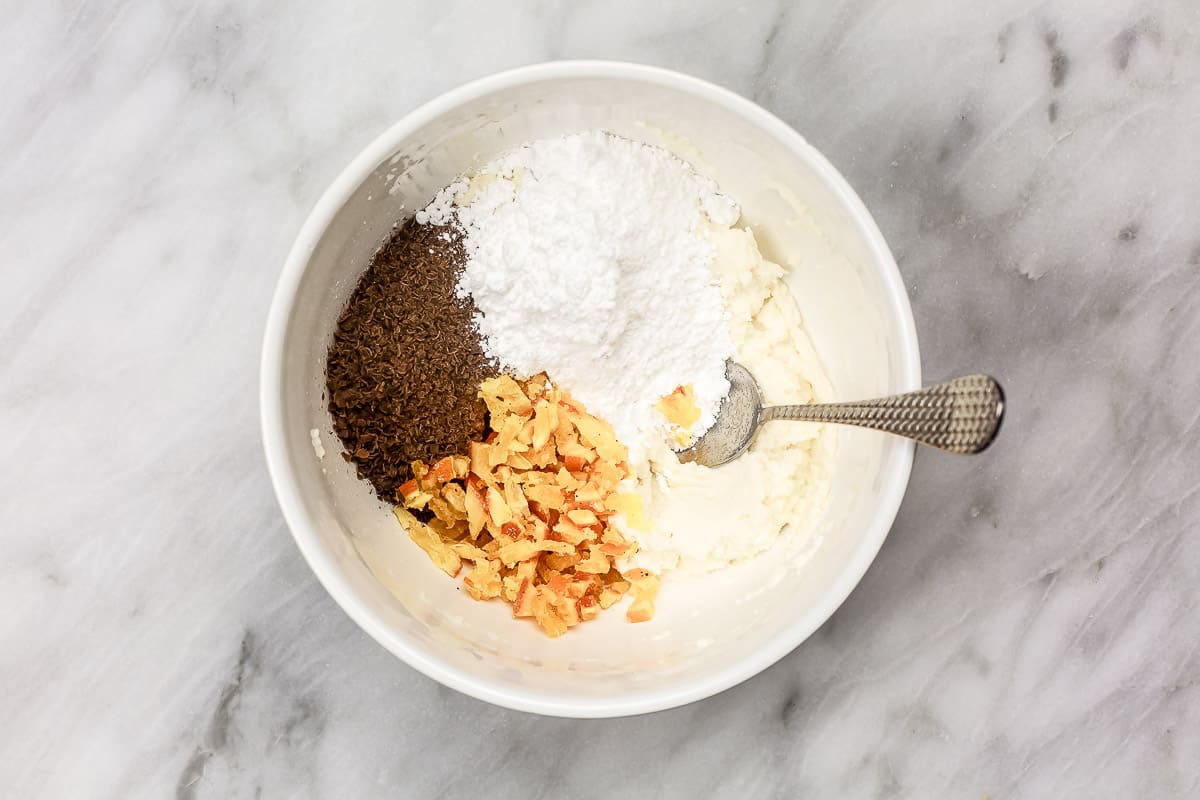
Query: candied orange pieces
<point x="531" y="508"/>
<point x="680" y="410"/>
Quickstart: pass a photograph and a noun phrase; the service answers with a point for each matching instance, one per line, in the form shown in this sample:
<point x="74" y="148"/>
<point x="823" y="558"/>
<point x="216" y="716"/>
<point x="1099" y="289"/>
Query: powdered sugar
<point x="587" y="259"/>
<point x="441" y="210"/>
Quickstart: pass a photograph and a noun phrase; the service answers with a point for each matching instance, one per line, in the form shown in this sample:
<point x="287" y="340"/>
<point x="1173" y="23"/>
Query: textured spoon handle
<point x="959" y="416"/>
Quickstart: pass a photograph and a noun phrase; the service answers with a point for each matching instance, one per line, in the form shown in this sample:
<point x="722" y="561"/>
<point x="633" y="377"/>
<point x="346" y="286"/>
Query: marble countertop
<point x="1030" y="628"/>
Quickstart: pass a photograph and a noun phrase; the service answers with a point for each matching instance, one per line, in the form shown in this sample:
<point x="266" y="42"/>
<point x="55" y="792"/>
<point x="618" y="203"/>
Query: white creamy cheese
<point x="705" y="518"/>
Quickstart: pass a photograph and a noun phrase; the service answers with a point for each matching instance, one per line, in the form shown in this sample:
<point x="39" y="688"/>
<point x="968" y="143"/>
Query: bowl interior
<point x="709" y="632"/>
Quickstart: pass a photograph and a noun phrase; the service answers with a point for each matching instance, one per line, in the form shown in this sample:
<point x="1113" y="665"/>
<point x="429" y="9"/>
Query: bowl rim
<point x="321" y="560"/>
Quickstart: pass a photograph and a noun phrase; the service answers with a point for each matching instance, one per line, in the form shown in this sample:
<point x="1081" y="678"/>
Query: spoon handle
<point x="959" y="416"/>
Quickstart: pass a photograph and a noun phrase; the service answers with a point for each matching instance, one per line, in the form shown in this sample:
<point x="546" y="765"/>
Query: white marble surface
<point x="1031" y="627"/>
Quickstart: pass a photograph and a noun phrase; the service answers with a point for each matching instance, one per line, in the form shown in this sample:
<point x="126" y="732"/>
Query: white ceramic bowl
<point x="709" y="633"/>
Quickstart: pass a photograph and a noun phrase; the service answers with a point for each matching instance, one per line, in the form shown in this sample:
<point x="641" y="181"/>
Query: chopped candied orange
<point x="438" y="551"/>
<point x="497" y="454"/>
<point x="607" y="476"/>
<point x="561" y="561"/>
<point x="538" y="529"/>
<point x="596" y="563"/>
<point x="582" y="517"/>
<point x="599" y="436"/>
<point x="476" y="511"/>
<point x="515" y="498"/>
<point x="572" y="533"/>
<point x="574" y="452"/>
<point x="518" y="461"/>
<point x="530" y="509"/>
<point x="509" y="439"/>
<point x="462" y="466"/>
<point x="588" y="493"/>
<point x="456" y="497"/>
<point x="546" y="495"/>
<point x="609" y="596"/>
<point x="645" y="589"/>
<point x="523" y="601"/>
<point x="568" y="611"/>
<point x="525" y="435"/>
<point x="503" y="395"/>
<point x="680" y="409"/>
<point x="470" y="552"/>
<point x="418" y="500"/>
<point x="546" y="615"/>
<point x="574" y="464"/>
<point x="589" y="607"/>
<point x="558" y="584"/>
<point x="566" y="480"/>
<point x="522" y="549"/>
<point x="442" y="510"/>
<point x="481" y="455"/>
<point x="498" y="510"/>
<point x="545" y="420"/>
<point x="442" y="470"/>
<point x="483" y="581"/>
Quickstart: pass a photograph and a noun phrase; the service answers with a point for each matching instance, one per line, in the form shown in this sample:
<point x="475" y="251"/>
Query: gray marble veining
<point x="1030" y="629"/>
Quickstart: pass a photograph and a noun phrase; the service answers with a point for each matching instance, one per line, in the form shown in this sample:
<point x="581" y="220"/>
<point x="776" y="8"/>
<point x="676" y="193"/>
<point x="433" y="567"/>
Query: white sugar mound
<point x="587" y="259"/>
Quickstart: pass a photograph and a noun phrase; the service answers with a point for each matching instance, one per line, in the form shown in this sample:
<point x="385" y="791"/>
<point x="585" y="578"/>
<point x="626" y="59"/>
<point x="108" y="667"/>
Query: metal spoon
<point x="959" y="416"/>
